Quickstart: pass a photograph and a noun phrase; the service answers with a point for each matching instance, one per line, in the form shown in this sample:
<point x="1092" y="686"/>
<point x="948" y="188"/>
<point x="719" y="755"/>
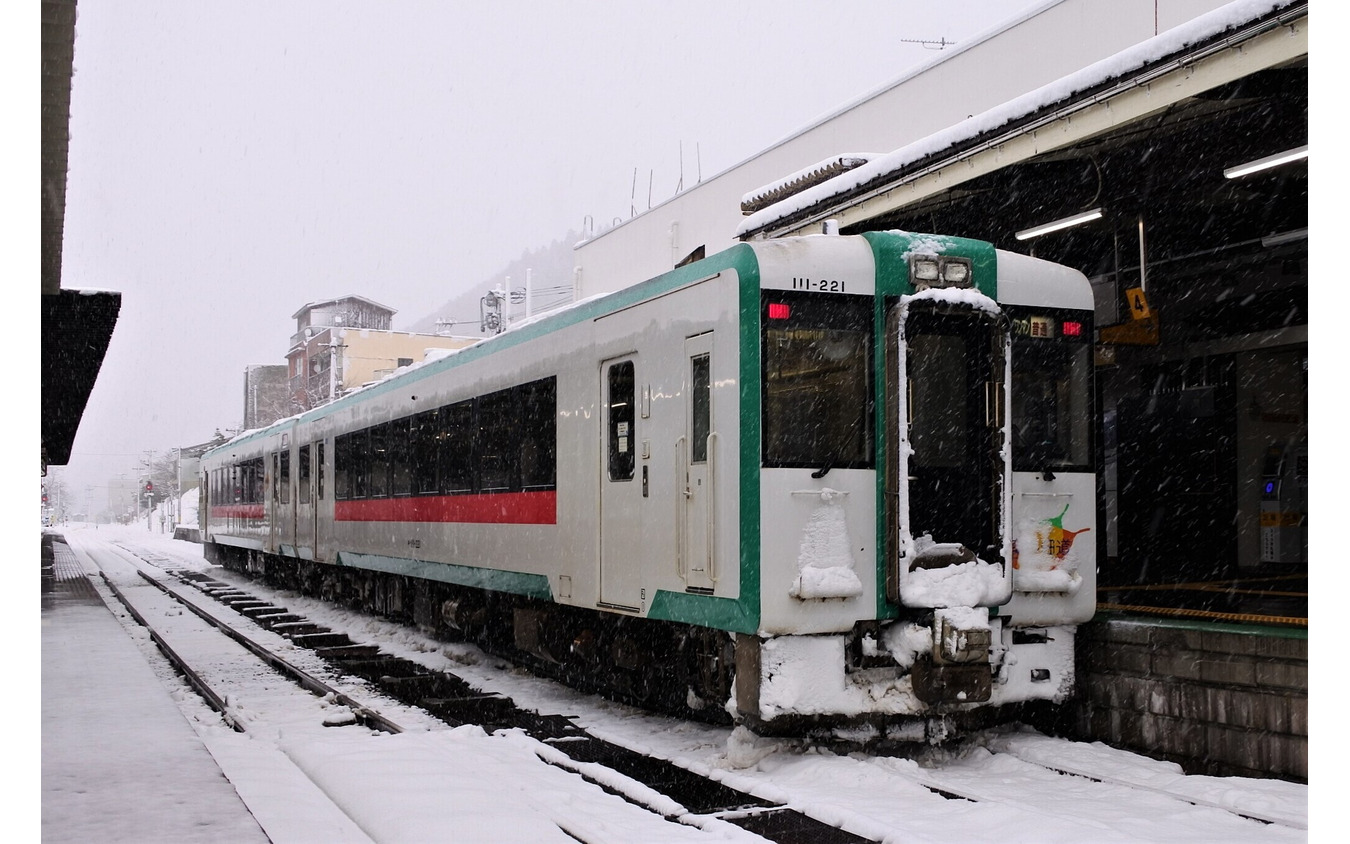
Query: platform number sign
<point x="1138" y="303"/>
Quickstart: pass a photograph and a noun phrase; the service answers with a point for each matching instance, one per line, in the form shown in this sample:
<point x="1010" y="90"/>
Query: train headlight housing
<point x="924" y="269"/>
<point x="927" y="271"/>
<point x="956" y="272"/>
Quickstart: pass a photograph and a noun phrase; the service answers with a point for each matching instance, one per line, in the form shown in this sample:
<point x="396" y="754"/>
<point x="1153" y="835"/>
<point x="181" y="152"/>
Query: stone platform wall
<point x="1224" y="700"/>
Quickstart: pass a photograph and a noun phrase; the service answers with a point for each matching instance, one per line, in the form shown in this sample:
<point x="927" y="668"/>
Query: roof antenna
<point x="680" y="186"/>
<point x="941" y="43"/>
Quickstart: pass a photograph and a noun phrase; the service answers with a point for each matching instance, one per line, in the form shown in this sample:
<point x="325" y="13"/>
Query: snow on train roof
<point x="1023" y="280"/>
<point x="1127" y="61"/>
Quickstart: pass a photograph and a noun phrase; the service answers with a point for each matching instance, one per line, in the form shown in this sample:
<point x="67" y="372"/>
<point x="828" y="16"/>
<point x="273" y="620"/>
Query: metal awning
<point x="76" y="325"/>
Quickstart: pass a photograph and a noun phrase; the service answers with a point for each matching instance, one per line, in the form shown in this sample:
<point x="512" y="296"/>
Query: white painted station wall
<point x="1049" y="42"/>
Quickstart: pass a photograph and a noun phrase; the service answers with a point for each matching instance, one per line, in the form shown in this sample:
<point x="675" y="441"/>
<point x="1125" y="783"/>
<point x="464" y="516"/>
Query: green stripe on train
<point x="514" y="582"/>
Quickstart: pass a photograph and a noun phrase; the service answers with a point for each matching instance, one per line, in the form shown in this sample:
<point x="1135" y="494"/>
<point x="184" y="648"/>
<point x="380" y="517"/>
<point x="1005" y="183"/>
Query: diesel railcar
<point x="827" y="482"/>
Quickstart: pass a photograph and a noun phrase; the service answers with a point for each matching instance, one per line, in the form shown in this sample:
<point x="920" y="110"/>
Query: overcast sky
<point x="232" y="161"/>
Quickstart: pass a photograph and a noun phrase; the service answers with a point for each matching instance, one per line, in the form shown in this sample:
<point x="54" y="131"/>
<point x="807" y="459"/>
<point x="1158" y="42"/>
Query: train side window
<point x="318" y="470"/>
<point x="425" y="432"/>
<point x="498" y="426"/>
<point x="538" y="434"/>
<point x="284" y="476"/>
<point x="379" y="461"/>
<point x="342" y="474"/>
<point x="456" y="447"/>
<point x="306" y="474"/>
<point x="400" y="457"/>
<point x="619" y="434"/>
<point x="700" y="397"/>
<point x="359" y="443"/>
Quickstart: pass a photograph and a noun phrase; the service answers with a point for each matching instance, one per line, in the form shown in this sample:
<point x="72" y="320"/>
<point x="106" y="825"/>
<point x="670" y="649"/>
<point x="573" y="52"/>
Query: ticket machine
<point x="1284" y="502"/>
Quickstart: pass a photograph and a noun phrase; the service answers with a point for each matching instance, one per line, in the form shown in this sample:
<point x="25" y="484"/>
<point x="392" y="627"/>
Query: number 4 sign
<point x="1138" y="303"/>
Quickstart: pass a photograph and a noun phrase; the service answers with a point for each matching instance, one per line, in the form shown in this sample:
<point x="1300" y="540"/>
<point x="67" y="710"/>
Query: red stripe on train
<point x="511" y="508"/>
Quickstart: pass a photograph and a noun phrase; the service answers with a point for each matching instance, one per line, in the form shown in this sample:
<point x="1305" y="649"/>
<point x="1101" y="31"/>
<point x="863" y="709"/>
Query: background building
<point x="267" y="395"/>
<point x="124" y="498"/>
<point x="341" y="344"/>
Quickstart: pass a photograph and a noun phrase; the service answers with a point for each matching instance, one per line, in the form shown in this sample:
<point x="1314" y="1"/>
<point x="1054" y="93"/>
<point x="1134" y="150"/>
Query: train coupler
<point x="958" y="668"/>
<point x="935" y="684"/>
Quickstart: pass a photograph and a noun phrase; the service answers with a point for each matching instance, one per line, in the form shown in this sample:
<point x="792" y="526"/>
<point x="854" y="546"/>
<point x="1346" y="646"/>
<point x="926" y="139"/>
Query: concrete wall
<point x="1224" y="701"/>
<point x="1052" y="41"/>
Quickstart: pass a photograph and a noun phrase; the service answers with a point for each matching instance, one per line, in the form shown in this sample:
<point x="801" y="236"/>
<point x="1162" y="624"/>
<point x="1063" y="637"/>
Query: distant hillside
<point x="550" y="277"/>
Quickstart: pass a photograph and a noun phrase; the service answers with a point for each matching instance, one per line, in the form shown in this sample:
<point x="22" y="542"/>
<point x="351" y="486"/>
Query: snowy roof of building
<point x="1009" y="116"/>
<point x="348" y="298"/>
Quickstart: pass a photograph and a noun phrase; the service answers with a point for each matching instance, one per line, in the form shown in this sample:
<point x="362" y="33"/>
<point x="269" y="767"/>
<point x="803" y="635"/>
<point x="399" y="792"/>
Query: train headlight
<point x="939" y="271"/>
<point x="956" y="272"/>
<point x="924" y="269"/>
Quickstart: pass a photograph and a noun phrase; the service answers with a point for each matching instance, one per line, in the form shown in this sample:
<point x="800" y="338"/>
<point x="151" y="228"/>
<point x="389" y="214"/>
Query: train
<point x="830" y="484"/>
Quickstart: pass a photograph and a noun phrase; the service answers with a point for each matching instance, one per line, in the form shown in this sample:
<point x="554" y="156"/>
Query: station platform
<point x="120" y="762"/>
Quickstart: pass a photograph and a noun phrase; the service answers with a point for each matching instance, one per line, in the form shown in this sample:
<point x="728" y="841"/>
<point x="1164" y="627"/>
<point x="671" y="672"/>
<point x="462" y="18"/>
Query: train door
<point x="698" y="462"/>
<point x="321" y="498"/>
<point x="274" y="488"/>
<point x="953" y="377"/>
<point x="304" y="493"/>
<point x="620" y="491"/>
<point x="283" y="508"/>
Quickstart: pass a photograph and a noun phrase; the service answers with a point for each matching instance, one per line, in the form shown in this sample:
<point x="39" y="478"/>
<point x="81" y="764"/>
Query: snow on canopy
<point x="891" y="165"/>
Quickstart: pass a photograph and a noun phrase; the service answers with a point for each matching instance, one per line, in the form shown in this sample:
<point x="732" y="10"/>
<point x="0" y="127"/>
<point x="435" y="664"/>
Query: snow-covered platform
<point x="120" y="762"/>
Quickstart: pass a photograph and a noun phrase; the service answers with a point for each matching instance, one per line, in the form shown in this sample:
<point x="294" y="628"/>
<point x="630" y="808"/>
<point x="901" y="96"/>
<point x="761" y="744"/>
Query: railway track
<point x="954" y="784"/>
<point x="675" y="793"/>
<point x="681" y="784"/>
<point x="1036" y="750"/>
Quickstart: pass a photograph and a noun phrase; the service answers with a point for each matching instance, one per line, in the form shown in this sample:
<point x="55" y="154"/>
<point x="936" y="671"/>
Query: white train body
<point x="719" y="449"/>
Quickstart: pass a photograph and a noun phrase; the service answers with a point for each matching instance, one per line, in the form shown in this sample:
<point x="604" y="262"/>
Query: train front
<point x="952" y="472"/>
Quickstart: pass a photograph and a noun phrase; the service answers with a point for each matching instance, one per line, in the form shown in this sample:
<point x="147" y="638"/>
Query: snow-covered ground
<point x="442" y="784"/>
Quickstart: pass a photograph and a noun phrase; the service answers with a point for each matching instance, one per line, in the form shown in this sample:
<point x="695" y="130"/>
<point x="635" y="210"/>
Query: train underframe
<point x="676" y="669"/>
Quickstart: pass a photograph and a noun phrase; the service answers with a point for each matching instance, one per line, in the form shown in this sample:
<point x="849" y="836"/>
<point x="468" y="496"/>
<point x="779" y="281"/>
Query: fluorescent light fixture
<point x="1077" y="219"/>
<point x="1296" y="154"/>
<point x="1284" y="237"/>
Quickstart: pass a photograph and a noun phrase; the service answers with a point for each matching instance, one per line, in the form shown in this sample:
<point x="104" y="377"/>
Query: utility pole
<point x="334" y="346"/>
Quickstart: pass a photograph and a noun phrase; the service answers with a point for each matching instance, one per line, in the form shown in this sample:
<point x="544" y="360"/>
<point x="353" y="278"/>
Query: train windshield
<point x="817" y="380"/>
<point x="1051" y="390"/>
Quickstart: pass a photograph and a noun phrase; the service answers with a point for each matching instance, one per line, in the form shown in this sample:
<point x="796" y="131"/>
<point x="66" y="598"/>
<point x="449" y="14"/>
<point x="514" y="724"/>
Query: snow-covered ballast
<point x="809" y="482"/>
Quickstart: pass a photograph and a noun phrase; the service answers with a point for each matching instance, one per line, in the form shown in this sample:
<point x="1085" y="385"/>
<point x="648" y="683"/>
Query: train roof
<point x="1022" y="280"/>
